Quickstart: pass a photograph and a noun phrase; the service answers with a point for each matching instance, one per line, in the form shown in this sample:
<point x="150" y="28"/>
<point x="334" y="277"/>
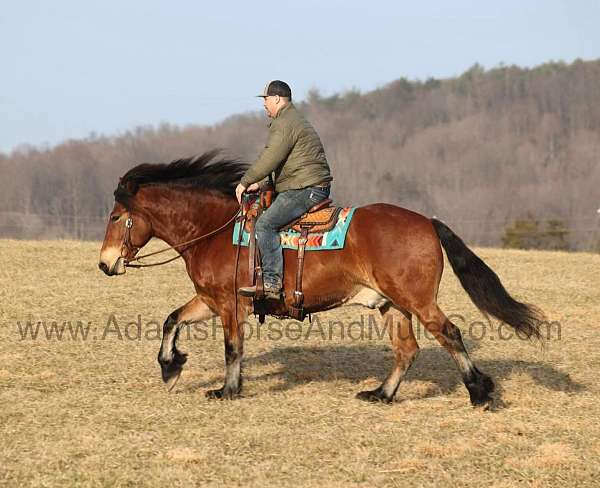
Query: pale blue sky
<point x="69" y="68"/>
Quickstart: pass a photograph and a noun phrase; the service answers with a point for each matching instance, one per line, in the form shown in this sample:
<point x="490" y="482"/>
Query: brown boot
<point x="270" y="291"/>
<point x="247" y="291"/>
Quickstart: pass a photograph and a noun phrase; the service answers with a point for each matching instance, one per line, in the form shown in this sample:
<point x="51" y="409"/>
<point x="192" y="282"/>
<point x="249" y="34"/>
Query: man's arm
<point x="278" y="147"/>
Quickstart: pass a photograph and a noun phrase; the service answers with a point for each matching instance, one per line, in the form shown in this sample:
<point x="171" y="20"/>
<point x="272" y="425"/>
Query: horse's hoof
<point x="214" y="394"/>
<point x="221" y="394"/>
<point x="172" y="381"/>
<point x="484" y="403"/>
<point x="486" y="407"/>
<point x="374" y="396"/>
<point x="479" y="390"/>
<point x="171" y="370"/>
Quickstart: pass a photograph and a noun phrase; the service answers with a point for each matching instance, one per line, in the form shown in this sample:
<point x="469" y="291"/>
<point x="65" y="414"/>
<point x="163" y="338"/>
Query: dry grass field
<point x="94" y="412"/>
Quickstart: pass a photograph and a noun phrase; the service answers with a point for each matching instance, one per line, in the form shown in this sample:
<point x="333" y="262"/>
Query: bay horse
<point x="392" y="259"/>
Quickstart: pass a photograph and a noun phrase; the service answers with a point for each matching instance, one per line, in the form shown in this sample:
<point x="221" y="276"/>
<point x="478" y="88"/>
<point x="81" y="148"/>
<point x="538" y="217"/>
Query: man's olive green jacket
<point x="293" y="152"/>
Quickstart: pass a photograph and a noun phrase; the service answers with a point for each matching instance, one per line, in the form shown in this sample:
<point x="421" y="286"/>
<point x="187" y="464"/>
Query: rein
<point x="127" y="244"/>
<point x="237" y="262"/>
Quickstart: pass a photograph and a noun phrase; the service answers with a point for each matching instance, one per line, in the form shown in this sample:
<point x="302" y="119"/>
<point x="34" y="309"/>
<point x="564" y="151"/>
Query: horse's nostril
<point x="103" y="267"/>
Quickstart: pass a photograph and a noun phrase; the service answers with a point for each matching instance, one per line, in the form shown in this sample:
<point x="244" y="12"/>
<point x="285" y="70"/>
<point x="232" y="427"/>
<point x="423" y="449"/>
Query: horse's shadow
<point x="295" y="366"/>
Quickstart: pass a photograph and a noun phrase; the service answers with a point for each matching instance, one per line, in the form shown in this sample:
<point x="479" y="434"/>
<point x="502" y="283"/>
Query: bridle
<point x="127" y="247"/>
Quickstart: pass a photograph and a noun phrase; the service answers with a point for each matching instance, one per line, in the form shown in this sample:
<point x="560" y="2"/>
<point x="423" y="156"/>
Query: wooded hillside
<point x="478" y="151"/>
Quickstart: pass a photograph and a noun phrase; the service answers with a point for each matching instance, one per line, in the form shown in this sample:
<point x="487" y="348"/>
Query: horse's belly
<point x="364" y="296"/>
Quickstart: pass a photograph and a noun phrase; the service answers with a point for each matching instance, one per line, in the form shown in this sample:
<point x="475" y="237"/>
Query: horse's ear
<point x="130" y="186"/>
<point x="125" y="192"/>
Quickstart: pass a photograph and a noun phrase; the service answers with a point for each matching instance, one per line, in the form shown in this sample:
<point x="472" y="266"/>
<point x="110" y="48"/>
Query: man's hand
<point x="239" y="191"/>
<point x="252" y="188"/>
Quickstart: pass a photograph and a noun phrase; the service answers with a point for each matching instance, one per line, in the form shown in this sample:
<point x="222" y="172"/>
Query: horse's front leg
<point x="171" y="360"/>
<point x="233" y="332"/>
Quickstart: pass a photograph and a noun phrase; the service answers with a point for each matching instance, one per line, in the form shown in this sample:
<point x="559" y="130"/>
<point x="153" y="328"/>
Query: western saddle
<point x="322" y="217"/>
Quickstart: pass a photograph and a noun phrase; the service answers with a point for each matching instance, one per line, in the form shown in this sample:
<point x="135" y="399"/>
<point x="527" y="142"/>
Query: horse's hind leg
<point x="479" y="384"/>
<point x="405" y="349"/>
<point x="171" y="360"/>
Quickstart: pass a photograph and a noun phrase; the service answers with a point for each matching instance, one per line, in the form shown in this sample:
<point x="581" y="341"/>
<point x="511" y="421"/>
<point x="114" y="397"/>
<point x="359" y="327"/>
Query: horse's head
<point x="127" y="231"/>
<point x="146" y="187"/>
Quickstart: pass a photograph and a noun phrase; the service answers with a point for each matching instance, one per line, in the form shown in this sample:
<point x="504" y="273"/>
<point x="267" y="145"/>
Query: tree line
<point x="479" y="151"/>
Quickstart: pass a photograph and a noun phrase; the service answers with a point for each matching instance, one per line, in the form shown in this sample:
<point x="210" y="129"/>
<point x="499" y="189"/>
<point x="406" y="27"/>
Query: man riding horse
<point x="391" y="259"/>
<point x="295" y="154"/>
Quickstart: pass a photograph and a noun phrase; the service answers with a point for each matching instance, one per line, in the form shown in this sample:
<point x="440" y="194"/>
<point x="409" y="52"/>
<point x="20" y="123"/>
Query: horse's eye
<point x="114" y="218"/>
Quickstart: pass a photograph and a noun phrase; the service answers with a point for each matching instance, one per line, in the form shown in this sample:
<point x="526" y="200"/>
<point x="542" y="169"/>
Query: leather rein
<point x="128" y="248"/>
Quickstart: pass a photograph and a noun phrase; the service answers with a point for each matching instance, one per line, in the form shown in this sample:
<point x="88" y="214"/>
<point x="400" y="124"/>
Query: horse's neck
<point x="189" y="214"/>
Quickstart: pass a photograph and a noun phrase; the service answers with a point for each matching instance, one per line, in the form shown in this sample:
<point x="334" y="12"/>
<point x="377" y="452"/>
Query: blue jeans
<point x="288" y="206"/>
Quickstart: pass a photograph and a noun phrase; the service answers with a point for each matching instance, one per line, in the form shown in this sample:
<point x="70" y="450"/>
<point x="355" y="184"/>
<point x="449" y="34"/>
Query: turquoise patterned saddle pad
<point x="318" y="241"/>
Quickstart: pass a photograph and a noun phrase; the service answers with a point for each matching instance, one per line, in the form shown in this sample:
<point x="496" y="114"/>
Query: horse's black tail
<point x="484" y="287"/>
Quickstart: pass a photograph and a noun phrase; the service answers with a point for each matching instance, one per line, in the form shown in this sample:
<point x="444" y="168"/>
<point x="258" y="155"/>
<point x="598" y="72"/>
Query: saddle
<point x="322" y="217"/>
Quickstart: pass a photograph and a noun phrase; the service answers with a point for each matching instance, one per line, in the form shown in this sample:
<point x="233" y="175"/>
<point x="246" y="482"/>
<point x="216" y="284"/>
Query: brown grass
<point x="95" y="412"/>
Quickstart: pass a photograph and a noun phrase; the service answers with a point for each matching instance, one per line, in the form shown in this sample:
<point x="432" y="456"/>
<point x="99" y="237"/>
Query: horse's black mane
<point x="201" y="171"/>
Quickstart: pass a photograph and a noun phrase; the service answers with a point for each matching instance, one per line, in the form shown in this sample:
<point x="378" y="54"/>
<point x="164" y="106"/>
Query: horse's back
<point x="387" y="220"/>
